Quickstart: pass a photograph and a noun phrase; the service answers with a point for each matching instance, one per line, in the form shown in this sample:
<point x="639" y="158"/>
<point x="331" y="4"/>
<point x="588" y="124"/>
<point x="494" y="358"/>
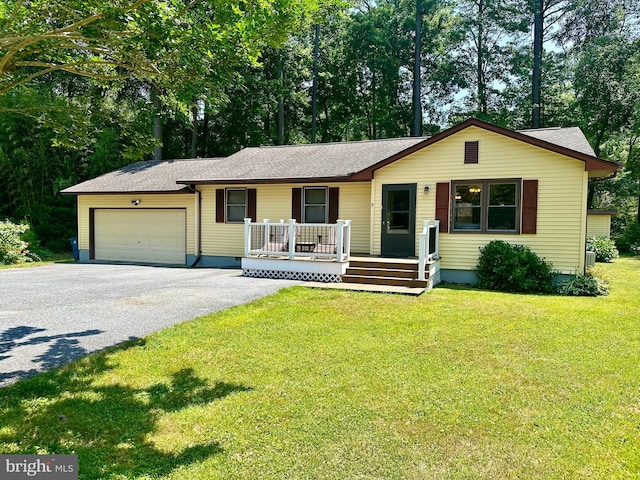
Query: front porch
<point x="322" y="253"/>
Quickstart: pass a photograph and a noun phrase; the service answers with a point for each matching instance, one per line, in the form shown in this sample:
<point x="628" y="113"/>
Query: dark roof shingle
<point x="568" y="137"/>
<point x="147" y="176"/>
<point x="300" y="162"/>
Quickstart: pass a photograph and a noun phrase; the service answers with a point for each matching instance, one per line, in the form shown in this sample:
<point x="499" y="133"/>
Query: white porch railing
<point x="428" y="246"/>
<point x="298" y="240"/>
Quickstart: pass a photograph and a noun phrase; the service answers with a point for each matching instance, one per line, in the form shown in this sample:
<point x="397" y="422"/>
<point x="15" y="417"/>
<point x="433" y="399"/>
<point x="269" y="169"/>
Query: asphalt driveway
<point x="52" y="314"/>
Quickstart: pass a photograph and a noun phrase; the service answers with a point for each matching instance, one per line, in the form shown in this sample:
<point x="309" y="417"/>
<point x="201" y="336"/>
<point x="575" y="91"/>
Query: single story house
<point x="479" y="182"/>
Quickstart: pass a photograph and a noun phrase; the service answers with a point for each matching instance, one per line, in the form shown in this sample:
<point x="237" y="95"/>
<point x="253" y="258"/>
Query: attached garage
<point x="140" y="235"/>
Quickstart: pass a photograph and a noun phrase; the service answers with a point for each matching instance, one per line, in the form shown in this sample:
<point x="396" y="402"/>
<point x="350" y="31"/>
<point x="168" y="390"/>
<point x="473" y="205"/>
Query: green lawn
<point x="55" y="258"/>
<point x="312" y="384"/>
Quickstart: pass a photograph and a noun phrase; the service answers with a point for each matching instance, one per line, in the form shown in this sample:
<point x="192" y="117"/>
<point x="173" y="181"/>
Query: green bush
<point x="591" y="284"/>
<point x="629" y="241"/>
<point x="35" y="248"/>
<point x="588" y="285"/>
<point x="513" y="268"/>
<point x="54" y="222"/>
<point x="13" y="248"/>
<point x="604" y="247"/>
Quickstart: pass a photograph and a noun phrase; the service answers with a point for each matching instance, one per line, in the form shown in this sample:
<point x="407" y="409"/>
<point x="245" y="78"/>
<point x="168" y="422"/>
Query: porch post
<point x="265" y="232"/>
<point x="247" y="236"/>
<point x="339" y="237"/>
<point x="423" y="249"/>
<point x="348" y="240"/>
<point x="436" y="254"/>
<point x="292" y="237"/>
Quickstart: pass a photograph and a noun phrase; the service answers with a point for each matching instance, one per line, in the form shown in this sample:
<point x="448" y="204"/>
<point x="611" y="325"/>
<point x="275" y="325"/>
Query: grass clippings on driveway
<point x="457" y="383"/>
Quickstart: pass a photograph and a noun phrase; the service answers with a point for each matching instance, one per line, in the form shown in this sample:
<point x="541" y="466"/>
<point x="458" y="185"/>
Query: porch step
<point x="381" y="272"/>
<point x="384" y="263"/>
<point x="378" y="271"/>
<point x="397" y="282"/>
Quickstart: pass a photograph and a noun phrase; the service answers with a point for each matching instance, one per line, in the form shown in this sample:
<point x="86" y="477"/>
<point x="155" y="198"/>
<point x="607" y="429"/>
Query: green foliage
<point x="55" y="221"/>
<point x="587" y="285"/>
<point x="629" y="240"/>
<point x="607" y="87"/>
<point x="35" y="245"/>
<point x="184" y="48"/>
<point x="76" y="77"/>
<point x="604" y="247"/>
<point x="513" y="268"/>
<point x="13" y="248"/>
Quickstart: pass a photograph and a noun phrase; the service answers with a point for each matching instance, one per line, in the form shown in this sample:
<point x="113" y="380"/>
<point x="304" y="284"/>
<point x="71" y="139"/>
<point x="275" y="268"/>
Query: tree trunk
<point x="204" y="147"/>
<point x="417" y="104"/>
<point x="536" y="91"/>
<point x="591" y="193"/>
<point x="638" y="215"/>
<point x="314" y="95"/>
<point x="280" y="120"/>
<point x="482" y="88"/>
<point x="325" y="126"/>
<point x="194" y="130"/>
<point x="157" y="123"/>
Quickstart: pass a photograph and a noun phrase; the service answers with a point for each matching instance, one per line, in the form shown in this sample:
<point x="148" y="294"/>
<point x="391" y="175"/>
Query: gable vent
<point x="471" y="152"/>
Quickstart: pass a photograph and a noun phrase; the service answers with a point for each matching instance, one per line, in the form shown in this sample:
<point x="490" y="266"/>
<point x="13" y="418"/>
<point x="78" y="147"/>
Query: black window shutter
<point x="529" y="206"/>
<point x="296" y="204"/>
<point x="442" y="206"/>
<point x="220" y="205"/>
<point x="251" y="204"/>
<point x="471" y="152"/>
<point x="334" y="193"/>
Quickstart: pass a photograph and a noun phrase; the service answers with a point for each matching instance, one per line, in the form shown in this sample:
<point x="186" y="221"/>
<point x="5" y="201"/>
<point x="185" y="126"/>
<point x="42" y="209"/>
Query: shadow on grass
<point x="107" y="425"/>
<point x="61" y="348"/>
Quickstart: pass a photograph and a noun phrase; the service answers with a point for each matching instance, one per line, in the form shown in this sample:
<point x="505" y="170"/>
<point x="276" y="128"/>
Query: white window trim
<point x="304" y="203"/>
<point x="226" y="204"/>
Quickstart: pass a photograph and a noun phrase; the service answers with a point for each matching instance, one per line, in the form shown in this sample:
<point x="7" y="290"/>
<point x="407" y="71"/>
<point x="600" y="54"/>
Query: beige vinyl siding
<point x="562" y="191"/>
<point x="273" y="201"/>
<point x="172" y="200"/>
<point x="598" y="225"/>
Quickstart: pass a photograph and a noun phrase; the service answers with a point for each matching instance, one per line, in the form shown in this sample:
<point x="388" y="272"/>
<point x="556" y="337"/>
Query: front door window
<point x="399" y="215"/>
<point x="398" y="220"/>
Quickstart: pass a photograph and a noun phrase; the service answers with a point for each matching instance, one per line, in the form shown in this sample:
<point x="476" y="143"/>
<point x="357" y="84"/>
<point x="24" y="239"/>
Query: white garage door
<point x="140" y="235"/>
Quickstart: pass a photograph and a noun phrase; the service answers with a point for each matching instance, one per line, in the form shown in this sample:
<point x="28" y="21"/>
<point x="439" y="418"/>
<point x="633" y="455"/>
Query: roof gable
<point x="571" y="142"/>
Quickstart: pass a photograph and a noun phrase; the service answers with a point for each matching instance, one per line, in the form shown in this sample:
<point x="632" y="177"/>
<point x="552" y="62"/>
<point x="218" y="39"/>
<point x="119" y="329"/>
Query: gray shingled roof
<point x="291" y="162"/>
<point x="147" y="176"/>
<point x="568" y="137"/>
<point x="338" y="160"/>
<point x="320" y="160"/>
